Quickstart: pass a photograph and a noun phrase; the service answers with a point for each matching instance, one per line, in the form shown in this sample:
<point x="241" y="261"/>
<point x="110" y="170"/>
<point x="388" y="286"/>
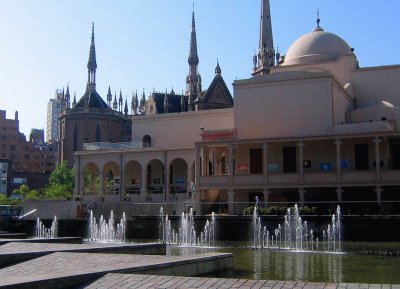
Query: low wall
<point x="231" y="228"/>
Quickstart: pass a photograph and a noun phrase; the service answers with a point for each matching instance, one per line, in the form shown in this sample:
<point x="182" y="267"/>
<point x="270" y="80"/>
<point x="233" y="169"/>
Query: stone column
<point x="301" y="160"/>
<point x="231" y="200"/>
<point x="266" y="194"/>
<point x="231" y="164"/>
<point x="338" y="142"/>
<point x="188" y="182"/>
<point x="197" y="164"/>
<point x="377" y="140"/>
<point x="143" y="188"/>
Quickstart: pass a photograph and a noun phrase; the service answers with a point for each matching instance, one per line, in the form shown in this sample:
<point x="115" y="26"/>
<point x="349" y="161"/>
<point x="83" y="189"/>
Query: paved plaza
<point x="114" y="281"/>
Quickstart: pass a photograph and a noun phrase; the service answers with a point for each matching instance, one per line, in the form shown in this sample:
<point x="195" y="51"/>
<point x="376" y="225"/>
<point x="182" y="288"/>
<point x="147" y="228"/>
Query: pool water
<point x="360" y="263"/>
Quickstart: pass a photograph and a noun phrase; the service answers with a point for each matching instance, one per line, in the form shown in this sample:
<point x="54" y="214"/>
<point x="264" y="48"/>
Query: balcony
<point x="97" y="146"/>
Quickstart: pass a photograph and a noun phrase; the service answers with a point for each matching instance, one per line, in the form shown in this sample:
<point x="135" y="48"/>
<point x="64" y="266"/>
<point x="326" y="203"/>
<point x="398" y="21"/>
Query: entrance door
<point x="256" y="166"/>
<point x="289" y="159"/>
<point x="361" y="156"/>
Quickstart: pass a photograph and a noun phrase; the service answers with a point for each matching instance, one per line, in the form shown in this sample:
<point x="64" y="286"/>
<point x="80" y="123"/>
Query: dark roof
<point x="91" y="99"/>
<point x="174" y="102"/>
<point x="217" y="90"/>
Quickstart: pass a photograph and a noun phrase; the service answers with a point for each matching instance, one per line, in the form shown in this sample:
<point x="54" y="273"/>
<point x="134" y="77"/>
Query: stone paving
<point x="114" y="281"/>
<point x="70" y="269"/>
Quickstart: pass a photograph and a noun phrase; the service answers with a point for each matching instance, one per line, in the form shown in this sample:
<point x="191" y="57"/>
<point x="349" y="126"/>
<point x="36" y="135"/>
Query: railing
<point x="368" y="209"/>
<point x="95" y="146"/>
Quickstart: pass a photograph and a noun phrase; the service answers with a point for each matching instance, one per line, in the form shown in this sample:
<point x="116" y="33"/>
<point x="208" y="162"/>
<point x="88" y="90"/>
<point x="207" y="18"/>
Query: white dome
<point x="317" y="46"/>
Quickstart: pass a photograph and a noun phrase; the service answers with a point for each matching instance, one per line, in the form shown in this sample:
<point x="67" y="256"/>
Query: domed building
<point x="310" y="127"/>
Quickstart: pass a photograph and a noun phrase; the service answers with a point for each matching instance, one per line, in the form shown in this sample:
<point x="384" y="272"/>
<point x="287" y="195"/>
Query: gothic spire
<point x="109" y="96"/>
<point x="193" y="60"/>
<point x="266" y="51"/>
<point x="115" y="104"/>
<point x="218" y="69"/>
<point x="126" y="107"/>
<point x="166" y="104"/>
<point x="92" y="65"/>
<point x="120" y="101"/>
<point x="67" y="98"/>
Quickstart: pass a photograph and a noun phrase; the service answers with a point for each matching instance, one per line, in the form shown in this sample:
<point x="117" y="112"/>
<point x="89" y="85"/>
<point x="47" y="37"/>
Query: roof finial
<point x="318" y="28"/>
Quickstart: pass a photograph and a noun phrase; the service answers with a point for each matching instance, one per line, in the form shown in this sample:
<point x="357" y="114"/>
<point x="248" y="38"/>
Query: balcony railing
<point x="96" y="146"/>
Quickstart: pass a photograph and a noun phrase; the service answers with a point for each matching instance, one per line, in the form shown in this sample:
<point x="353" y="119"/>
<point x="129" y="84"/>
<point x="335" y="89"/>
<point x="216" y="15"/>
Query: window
<point x="97" y="133"/>
<point x="146" y="141"/>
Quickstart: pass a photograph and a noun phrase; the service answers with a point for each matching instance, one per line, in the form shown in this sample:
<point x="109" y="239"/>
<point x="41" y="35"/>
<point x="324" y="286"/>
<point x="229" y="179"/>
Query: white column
<point x="266" y="193"/>
<point x="377" y="140"/>
<point x="189" y="181"/>
<point x="167" y="185"/>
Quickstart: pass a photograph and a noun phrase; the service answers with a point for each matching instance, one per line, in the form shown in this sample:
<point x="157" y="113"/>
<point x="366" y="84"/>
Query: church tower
<point x="193" y="80"/>
<point x="91" y="119"/>
<point x="265" y="59"/>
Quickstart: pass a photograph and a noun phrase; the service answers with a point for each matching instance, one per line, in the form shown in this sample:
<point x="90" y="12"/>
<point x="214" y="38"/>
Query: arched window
<point x="76" y="138"/>
<point x="98" y="133"/>
<point x="146" y="141"/>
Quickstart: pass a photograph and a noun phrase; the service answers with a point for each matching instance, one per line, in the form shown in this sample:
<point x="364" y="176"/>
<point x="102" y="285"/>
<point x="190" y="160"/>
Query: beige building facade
<point x="310" y="127"/>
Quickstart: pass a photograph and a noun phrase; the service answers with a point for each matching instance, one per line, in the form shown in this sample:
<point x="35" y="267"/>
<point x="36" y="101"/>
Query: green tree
<point x="63" y="175"/>
<point x="23" y="190"/>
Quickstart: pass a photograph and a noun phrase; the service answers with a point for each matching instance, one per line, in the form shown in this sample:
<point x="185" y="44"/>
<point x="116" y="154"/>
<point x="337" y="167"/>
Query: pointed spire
<point x="92" y="65"/>
<point x="115" y="104"/>
<point x="142" y="104"/>
<point x="166" y="102"/>
<point x="67" y="98"/>
<point x="218" y="68"/>
<point x="120" y="101"/>
<point x="266" y="51"/>
<point x="126" y="107"/>
<point x="193" y="80"/>
<point x="193" y="56"/>
<point x="74" y="101"/>
<point x="135" y="103"/>
<point x="109" y="96"/>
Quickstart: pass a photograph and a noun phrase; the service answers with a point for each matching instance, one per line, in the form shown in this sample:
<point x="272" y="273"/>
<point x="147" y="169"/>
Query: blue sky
<point x="44" y="44"/>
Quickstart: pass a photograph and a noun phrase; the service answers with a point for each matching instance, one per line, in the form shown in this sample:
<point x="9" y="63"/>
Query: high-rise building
<point x="29" y="161"/>
<point x="54" y="108"/>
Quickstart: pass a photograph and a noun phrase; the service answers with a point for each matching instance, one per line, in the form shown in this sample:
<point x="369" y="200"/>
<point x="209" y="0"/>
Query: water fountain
<point x="186" y="235"/>
<point x="294" y="234"/>
<point x="42" y="232"/>
<point x="107" y="231"/>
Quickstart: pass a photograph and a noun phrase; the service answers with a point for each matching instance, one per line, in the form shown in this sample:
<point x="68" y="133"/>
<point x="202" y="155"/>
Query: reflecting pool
<point x="362" y="263"/>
